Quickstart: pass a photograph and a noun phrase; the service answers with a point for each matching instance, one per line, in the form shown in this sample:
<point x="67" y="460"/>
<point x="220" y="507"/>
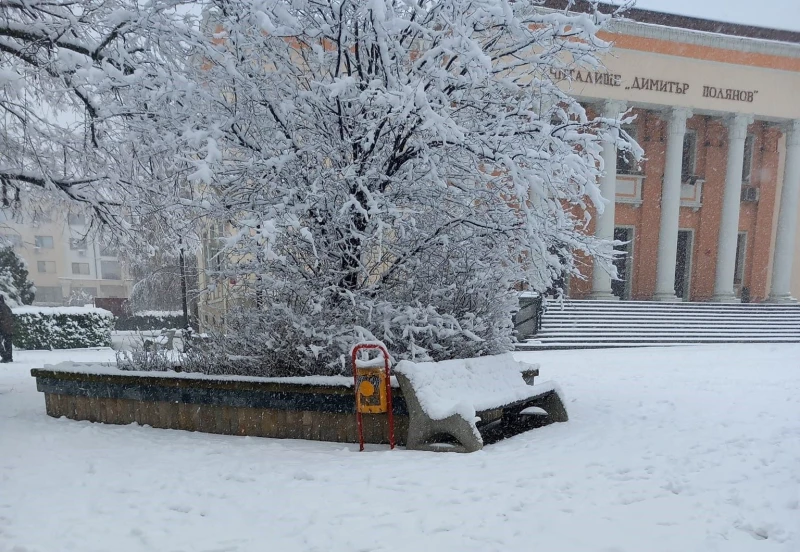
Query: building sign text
<point x="658" y="85"/>
<point x="650" y="84"/>
<point x="729" y="94"/>
<point x="587" y="77"/>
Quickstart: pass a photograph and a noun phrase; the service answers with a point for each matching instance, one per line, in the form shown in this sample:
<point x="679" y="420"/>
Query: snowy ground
<point x="674" y="450"/>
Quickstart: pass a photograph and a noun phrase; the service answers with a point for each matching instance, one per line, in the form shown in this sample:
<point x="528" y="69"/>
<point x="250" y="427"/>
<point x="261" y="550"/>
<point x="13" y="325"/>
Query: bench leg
<point x="554" y="406"/>
<point x="549" y="402"/>
<point x="421" y="431"/>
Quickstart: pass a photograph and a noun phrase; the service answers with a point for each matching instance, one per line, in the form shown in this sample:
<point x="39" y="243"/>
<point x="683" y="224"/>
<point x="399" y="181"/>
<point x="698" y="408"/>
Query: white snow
<point x="51" y="311"/>
<point x="110" y="368"/>
<point x="465" y="386"/>
<point x="685" y="449"/>
<point x="158" y="313"/>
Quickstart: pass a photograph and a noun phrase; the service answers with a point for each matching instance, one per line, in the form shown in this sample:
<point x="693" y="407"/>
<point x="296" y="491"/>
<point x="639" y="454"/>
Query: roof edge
<point x="775" y="41"/>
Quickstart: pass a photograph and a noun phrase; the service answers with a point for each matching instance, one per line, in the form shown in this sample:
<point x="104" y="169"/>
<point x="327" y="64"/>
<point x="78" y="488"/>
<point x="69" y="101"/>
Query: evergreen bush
<point x="14" y="283"/>
<point x="61" y="328"/>
<point x="151" y="320"/>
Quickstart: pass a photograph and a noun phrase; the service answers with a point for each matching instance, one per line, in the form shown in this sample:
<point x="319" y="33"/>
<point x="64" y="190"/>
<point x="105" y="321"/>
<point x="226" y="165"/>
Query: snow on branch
<point x="392" y="167"/>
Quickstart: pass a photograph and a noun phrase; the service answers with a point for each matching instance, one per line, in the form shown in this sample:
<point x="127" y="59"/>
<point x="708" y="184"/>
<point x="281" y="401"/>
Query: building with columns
<point x="711" y="212"/>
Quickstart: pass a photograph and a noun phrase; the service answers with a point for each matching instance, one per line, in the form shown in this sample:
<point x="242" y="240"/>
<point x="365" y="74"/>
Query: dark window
<point x="111" y="270"/>
<point x="213" y="247"/>
<point x="626" y="164"/>
<point x="689" y="162"/>
<point x="44" y="242"/>
<point x="47" y="267"/>
<point x="741" y="249"/>
<point x="76" y="220"/>
<point x="80" y="268"/>
<point x="49" y="295"/>
<point x="747" y="166"/>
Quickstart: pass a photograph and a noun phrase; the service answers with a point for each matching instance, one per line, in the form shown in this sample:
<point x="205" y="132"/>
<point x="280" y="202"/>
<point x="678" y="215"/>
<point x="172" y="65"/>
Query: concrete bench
<point x="456" y="404"/>
<point x="162" y="341"/>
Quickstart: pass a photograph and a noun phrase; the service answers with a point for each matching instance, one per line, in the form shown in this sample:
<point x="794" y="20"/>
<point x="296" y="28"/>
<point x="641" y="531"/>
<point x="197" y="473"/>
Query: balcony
<point x="629" y="189"/>
<point x="692" y="191"/>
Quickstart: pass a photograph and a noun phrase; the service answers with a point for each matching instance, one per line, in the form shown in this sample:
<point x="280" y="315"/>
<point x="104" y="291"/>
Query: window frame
<point x="45" y="264"/>
<point x="57" y="296"/>
<point x="76" y="219"/>
<point x="741" y="258"/>
<point x="39" y="241"/>
<point x="626" y="164"/>
<point x="690" y="135"/>
<point x="88" y="269"/>
<point x="213" y="247"/>
<point x="103" y="272"/>
<point x="747" y="164"/>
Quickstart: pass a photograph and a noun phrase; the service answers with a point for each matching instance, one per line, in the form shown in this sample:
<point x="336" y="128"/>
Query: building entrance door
<point x="683" y="264"/>
<point x="621" y="287"/>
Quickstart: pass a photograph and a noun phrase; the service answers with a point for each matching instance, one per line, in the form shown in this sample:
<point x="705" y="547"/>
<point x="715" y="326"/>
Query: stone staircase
<point x="606" y="324"/>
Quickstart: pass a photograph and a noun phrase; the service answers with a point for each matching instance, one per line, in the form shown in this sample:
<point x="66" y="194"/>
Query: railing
<point x="528" y="320"/>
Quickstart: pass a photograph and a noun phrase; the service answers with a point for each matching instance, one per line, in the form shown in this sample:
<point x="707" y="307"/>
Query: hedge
<point x="61" y="327"/>
<point x="151" y="320"/>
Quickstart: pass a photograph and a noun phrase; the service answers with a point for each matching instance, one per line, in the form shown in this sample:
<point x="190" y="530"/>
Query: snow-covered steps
<point x="607" y="324"/>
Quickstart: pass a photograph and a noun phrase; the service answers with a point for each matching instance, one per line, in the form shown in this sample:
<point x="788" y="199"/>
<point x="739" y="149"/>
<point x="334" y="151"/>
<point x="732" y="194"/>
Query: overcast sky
<point x="778" y="14"/>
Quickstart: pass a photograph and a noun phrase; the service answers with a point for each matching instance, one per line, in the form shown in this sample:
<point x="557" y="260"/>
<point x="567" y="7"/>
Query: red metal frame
<point x="386" y="367"/>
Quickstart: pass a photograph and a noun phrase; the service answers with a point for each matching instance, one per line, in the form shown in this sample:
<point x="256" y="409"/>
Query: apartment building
<point x="66" y="262"/>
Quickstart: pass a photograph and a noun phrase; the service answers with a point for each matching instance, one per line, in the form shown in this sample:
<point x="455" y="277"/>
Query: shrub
<point x="151" y="320"/>
<point x="62" y="327"/>
<point x="141" y="360"/>
<point x="14" y="283"/>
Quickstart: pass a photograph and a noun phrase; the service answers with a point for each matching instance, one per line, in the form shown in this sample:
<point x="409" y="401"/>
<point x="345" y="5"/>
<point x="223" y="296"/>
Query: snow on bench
<point x="448" y="398"/>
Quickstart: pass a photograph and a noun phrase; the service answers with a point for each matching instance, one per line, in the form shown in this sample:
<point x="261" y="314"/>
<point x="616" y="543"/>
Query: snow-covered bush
<point x="386" y="170"/>
<point x="61" y="327"/>
<point x="448" y="303"/>
<point x="151" y="320"/>
<point x="143" y="360"/>
<point x="79" y="297"/>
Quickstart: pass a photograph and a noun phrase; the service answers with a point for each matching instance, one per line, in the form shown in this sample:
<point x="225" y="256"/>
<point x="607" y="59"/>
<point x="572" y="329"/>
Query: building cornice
<point x="691" y="30"/>
<point x="707" y="39"/>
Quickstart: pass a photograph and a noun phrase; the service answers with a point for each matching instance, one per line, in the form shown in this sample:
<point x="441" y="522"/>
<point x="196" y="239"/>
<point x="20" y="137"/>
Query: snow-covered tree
<point x="75" y="77"/>
<point x="157" y="283"/>
<point x="387" y="169"/>
<point x="379" y="168"/>
<point x="14" y="283"/>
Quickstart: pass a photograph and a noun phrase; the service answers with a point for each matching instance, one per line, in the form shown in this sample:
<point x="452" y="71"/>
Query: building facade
<point x="711" y="212"/>
<point x="65" y="261"/>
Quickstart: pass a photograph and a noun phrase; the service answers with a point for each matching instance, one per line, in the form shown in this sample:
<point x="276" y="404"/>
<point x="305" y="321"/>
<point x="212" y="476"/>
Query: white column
<point x="670" y="206"/>
<point x="783" y="255"/>
<point x="601" y="279"/>
<point x="729" y="222"/>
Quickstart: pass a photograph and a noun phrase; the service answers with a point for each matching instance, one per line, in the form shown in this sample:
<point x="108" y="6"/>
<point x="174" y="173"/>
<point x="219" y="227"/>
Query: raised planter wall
<point x="259" y="408"/>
